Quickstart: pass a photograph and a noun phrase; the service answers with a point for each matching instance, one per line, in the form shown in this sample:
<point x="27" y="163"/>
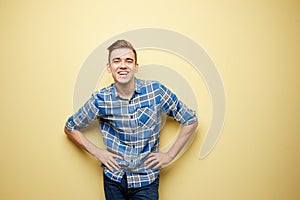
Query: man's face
<point x="122" y="65"/>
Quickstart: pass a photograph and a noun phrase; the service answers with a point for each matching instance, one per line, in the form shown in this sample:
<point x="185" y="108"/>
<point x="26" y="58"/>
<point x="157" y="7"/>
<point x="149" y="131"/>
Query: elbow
<point x="194" y="125"/>
<point x="72" y="135"/>
<point x="193" y="128"/>
<point x="68" y="132"/>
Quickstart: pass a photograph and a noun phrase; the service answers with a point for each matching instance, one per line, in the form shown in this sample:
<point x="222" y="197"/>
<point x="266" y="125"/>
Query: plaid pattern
<point x="130" y="128"/>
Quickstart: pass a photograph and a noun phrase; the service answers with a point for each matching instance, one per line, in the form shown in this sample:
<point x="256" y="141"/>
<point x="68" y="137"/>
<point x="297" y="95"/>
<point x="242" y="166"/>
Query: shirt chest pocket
<point x="147" y="117"/>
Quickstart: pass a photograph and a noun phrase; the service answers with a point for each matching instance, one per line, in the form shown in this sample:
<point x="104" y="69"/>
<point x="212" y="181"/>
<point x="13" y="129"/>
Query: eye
<point x="116" y="61"/>
<point x="129" y="61"/>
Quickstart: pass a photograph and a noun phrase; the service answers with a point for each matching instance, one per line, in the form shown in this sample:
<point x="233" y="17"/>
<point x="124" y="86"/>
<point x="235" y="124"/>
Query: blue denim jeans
<point x="119" y="191"/>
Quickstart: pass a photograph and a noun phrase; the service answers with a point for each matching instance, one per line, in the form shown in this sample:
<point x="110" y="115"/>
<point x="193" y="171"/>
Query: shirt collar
<point x="137" y="88"/>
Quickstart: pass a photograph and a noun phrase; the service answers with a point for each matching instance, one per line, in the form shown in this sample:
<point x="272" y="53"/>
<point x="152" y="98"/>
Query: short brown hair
<point x="119" y="44"/>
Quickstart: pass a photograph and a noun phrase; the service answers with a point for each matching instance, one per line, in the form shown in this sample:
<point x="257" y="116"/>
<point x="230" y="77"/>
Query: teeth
<point x="123" y="73"/>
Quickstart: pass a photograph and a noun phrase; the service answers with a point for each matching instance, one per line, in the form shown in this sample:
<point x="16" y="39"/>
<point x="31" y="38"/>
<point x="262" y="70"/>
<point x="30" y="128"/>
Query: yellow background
<point x="254" y="44"/>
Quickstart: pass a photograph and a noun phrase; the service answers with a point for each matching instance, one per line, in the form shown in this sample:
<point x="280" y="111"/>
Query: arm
<point x="82" y="118"/>
<point x="104" y="156"/>
<point x="156" y="160"/>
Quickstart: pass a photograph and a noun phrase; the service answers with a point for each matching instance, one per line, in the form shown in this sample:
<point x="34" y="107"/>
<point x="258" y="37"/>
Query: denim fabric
<point x="120" y="191"/>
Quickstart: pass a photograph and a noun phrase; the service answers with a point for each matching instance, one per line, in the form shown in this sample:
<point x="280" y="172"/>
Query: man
<point x="129" y="112"/>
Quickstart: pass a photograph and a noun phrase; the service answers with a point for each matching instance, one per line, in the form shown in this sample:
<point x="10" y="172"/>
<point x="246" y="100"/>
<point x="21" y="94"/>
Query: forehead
<point x="122" y="53"/>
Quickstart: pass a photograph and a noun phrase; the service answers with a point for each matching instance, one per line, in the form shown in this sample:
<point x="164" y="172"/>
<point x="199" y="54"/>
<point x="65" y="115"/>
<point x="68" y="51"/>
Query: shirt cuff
<point x="70" y="124"/>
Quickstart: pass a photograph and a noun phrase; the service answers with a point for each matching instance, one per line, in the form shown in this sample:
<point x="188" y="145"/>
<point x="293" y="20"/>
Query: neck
<point x="126" y="90"/>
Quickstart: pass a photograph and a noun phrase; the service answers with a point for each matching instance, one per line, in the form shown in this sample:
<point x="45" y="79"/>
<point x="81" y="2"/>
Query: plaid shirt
<point x="130" y="128"/>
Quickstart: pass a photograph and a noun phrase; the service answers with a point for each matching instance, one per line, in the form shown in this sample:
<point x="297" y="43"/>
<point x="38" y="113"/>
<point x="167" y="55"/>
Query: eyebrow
<point x="117" y="58"/>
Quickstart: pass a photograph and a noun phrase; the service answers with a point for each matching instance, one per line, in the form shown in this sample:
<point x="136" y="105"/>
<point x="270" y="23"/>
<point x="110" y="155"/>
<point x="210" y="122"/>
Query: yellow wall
<point x="254" y="44"/>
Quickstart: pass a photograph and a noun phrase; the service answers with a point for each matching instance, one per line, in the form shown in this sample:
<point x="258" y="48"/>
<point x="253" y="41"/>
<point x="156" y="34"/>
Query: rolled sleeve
<point x="187" y="116"/>
<point x="175" y="108"/>
<point x="84" y="116"/>
<point x="70" y="125"/>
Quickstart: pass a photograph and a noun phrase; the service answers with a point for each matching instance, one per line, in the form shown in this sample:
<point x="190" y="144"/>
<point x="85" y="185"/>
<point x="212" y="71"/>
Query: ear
<point x="108" y="68"/>
<point x="136" y="68"/>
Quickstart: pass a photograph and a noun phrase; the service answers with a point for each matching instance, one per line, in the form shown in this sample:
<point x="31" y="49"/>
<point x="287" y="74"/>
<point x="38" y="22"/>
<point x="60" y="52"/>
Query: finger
<point x="148" y="160"/>
<point x="158" y="165"/>
<point x="108" y="167"/>
<point x="151" y="155"/>
<point x="117" y="156"/>
<point x="113" y="165"/>
<point x="116" y="164"/>
<point x="151" y="164"/>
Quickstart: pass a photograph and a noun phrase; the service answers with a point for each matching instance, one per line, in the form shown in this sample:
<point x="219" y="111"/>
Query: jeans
<point x="119" y="191"/>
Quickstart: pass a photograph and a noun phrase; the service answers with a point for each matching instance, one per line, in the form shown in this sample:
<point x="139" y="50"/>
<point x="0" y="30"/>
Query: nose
<point x="123" y="64"/>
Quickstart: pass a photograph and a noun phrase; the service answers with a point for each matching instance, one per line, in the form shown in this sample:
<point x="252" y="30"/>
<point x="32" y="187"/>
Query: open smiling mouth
<point x="123" y="73"/>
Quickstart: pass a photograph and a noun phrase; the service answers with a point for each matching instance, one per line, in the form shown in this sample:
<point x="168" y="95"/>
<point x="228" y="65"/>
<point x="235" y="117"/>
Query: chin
<point x="124" y="80"/>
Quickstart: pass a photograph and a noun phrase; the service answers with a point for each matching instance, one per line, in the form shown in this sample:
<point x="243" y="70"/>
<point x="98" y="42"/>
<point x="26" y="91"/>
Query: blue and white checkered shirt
<point x="130" y="128"/>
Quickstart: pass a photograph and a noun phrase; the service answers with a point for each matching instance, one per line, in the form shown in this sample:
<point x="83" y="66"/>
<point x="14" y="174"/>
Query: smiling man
<point x="129" y="112"/>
